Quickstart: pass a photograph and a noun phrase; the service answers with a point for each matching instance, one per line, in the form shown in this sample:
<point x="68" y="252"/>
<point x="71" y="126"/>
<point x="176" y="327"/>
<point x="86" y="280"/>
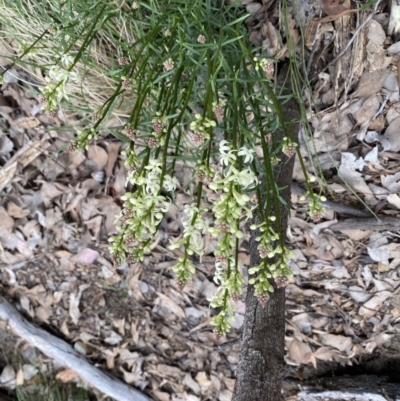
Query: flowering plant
<point x="189" y="91"/>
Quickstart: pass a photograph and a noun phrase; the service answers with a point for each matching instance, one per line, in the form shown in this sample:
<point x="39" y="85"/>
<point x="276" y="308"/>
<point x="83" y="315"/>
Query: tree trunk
<point x="260" y="369"/>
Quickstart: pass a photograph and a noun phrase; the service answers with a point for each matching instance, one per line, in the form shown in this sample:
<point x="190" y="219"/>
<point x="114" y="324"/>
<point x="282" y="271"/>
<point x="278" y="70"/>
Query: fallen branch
<point x="65" y="355"/>
<point x="382" y="224"/>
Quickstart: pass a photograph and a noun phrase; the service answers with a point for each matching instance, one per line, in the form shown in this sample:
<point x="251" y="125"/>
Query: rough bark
<point x="260" y="369"/>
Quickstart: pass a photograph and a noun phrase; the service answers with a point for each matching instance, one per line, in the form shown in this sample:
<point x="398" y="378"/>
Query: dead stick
<point x="65" y="355"/>
<point x="381" y="224"/>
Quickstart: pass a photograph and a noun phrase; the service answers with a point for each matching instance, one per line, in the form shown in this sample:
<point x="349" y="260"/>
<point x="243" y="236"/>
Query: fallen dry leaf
<point x="86" y="255"/>
<point x="161" y="395"/>
<point x="359" y="294"/>
<point x="301" y="353"/>
<point x="169" y="305"/>
<point x="67" y="376"/>
<point x="98" y="155"/>
<point x="324" y="354"/>
<point x="371" y="82"/>
<point x="8" y="377"/>
<point x="339" y="342"/>
<point x="392" y="135"/>
<point x="74" y="311"/>
<point x="377" y="340"/>
<point x="25" y="123"/>
<point x="333" y="7"/>
<point x="112" y="150"/>
<point x="191" y="384"/>
<point x="371" y="307"/>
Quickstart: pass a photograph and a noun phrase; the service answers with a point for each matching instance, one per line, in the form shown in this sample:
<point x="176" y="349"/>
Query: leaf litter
<point x="57" y="213"/>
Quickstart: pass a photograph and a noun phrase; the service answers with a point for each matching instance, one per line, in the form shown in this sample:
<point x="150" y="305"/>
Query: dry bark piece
<point x="333" y="7"/>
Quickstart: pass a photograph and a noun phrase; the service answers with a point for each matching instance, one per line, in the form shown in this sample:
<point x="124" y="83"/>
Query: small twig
<point x="311" y="58"/>
<point x="229" y="344"/>
<point x="381" y="108"/>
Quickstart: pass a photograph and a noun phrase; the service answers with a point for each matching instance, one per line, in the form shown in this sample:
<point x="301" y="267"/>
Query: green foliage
<point x="187" y="85"/>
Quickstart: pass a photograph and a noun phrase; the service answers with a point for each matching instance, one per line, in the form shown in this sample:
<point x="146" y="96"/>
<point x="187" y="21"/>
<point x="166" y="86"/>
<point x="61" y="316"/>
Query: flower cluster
<point x="267" y="239"/>
<point x="159" y="123"/>
<point x="126" y="83"/>
<point x="269" y="247"/>
<point x="204" y="172"/>
<point x="232" y="203"/>
<point x="221" y="324"/>
<point x="278" y="271"/>
<point x="194" y="227"/>
<point x="200" y="128"/>
<point x="142" y="212"/>
<point x="260" y="63"/>
<point x="218" y="109"/>
<point x="153" y="142"/>
<point x="56" y="89"/>
<point x="184" y="271"/>
<point x="201" y="39"/>
<point x="82" y="140"/>
<point x="267" y="65"/>
<point x="131" y="163"/>
<point x="130" y="132"/>
<point x="168" y="65"/>
<point x="231" y="283"/>
<point x="231" y="207"/>
<point x="275" y="160"/>
<point x="51" y="96"/>
<point x="288" y="147"/>
<point x="316" y="209"/>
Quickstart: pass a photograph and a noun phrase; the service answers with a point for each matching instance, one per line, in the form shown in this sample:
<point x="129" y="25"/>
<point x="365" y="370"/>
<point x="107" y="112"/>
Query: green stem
<point x="19" y="58"/>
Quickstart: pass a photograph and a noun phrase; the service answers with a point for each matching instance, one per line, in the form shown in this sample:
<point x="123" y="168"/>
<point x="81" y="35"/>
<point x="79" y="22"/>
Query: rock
<point x="253" y="8"/>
